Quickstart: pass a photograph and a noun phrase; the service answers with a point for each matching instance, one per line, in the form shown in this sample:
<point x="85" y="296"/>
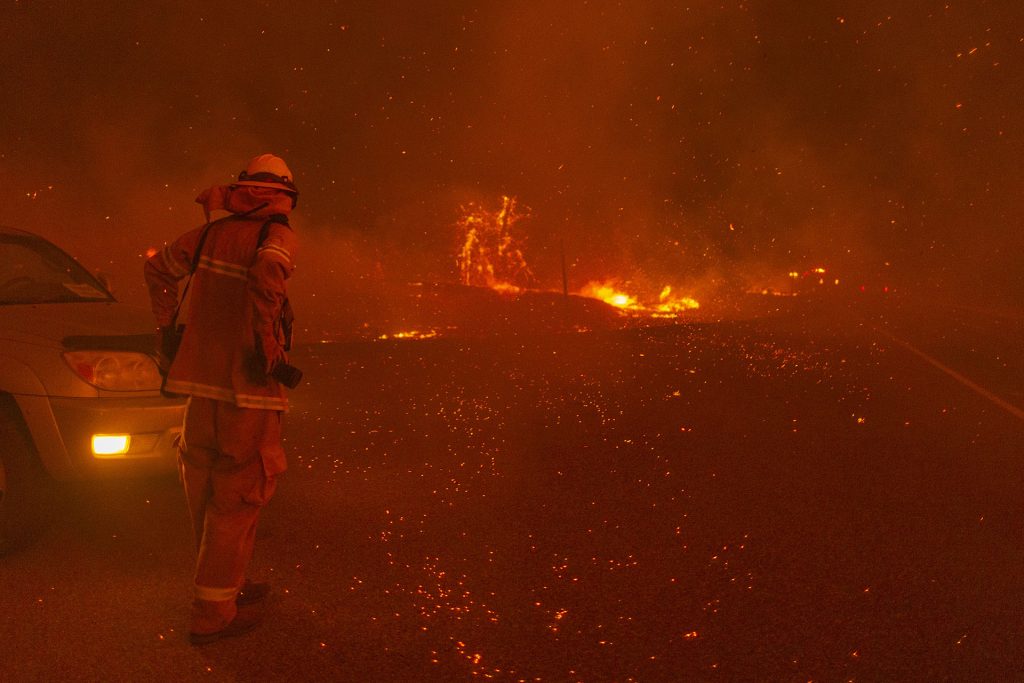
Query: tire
<point x="23" y="486"/>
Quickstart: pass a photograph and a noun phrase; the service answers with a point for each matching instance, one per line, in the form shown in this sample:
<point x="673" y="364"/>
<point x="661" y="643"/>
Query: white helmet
<point x="267" y="170"/>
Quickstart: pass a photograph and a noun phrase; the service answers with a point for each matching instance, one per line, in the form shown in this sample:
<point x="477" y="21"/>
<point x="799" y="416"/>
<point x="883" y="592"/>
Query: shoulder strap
<point x="278" y="218"/>
<point x="191" y="271"/>
<point x="199" y="251"/>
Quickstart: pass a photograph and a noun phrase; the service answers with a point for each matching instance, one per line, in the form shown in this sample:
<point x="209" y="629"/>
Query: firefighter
<point x="230" y="453"/>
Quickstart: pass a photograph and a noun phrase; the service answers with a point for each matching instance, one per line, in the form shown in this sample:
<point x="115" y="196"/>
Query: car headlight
<point x="115" y="370"/>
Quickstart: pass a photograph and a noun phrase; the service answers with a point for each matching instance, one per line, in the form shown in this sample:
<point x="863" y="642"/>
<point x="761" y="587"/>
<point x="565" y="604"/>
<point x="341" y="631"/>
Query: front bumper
<point x="63" y="430"/>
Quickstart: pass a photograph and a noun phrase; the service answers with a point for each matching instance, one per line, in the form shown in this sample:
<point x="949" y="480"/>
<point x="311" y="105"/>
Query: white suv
<point x="79" y="389"/>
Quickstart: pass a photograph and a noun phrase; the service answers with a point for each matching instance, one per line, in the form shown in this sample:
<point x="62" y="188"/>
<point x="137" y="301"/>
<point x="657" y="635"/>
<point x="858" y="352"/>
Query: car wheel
<point x="23" y="486"/>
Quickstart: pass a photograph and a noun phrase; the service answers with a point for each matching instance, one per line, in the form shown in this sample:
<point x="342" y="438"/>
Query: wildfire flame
<point x="612" y="293"/>
<point x="490" y="255"/>
<point x="670" y="305"/>
<point x="410" y="334"/>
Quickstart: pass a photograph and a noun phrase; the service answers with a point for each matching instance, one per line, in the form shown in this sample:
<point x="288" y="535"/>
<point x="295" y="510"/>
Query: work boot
<point x="245" y="620"/>
<point x="252" y="592"/>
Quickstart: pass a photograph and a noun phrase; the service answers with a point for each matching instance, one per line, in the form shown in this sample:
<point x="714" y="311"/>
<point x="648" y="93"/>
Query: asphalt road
<point x="799" y="498"/>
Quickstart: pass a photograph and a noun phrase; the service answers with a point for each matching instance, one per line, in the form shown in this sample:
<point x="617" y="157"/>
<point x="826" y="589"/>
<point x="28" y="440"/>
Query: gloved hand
<point x="274" y="365"/>
<point x="270" y="353"/>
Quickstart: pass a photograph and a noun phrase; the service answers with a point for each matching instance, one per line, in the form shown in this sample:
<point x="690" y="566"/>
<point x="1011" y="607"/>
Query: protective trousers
<point x="229" y="460"/>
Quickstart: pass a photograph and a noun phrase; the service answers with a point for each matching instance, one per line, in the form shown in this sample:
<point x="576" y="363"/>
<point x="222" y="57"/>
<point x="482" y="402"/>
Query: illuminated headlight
<point x="115" y="370"/>
<point x="110" y="444"/>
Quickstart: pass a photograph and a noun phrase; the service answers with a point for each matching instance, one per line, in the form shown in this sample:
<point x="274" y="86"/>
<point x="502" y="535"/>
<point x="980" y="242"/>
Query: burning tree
<point x="490" y="254"/>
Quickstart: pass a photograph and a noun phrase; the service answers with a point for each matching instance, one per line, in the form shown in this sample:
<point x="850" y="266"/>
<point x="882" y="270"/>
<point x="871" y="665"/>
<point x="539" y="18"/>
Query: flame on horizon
<point x="491" y="255"/>
<point x="670" y="305"/>
<point x="611" y="292"/>
<point x="409" y="334"/>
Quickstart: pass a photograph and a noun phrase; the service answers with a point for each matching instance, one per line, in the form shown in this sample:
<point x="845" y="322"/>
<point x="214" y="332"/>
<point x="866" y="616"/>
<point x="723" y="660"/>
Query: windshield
<point x="33" y="271"/>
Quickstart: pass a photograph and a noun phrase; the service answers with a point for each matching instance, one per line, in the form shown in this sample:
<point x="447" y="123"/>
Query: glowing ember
<point x="490" y="255"/>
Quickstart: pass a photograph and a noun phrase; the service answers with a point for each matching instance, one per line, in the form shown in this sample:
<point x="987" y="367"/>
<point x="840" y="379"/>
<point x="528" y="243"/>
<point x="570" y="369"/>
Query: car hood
<point x="50" y="324"/>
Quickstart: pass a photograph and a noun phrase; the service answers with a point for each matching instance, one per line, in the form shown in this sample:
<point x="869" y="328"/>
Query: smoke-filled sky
<point x="657" y="139"/>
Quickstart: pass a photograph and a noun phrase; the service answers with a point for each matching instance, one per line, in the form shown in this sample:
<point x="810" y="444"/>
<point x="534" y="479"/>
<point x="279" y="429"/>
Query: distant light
<point x="110" y="444"/>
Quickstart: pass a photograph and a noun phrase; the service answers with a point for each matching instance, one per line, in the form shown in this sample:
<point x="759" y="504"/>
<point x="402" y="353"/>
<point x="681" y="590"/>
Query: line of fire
<point x="493" y="287"/>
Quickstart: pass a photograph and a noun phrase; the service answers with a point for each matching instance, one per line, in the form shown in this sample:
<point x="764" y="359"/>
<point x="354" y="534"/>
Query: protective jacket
<point x="232" y="332"/>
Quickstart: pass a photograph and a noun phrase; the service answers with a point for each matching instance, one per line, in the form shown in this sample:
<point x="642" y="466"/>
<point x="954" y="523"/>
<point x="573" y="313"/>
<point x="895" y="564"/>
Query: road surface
<point x="806" y="497"/>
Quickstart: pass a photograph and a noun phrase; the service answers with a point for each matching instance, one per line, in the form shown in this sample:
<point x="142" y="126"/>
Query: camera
<point x="287" y="374"/>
